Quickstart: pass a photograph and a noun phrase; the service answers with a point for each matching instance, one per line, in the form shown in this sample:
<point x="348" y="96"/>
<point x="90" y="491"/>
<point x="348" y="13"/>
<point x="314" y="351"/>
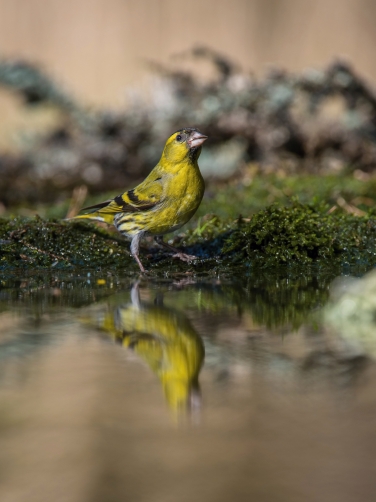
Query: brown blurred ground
<point x="97" y="47"/>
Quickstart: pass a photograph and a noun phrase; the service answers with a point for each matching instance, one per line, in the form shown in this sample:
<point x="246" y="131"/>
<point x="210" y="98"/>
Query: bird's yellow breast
<point x="182" y="194"/>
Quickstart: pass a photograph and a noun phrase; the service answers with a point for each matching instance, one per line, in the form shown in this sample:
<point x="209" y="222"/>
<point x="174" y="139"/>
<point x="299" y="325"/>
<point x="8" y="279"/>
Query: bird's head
<point x="184" y="144"/>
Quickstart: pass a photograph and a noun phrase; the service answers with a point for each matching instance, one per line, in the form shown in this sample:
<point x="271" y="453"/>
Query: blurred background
<point x="90" y="90"/>
<point x="99" y="47"/>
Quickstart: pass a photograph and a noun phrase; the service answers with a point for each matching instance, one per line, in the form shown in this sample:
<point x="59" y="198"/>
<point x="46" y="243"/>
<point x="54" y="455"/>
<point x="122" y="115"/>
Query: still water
<point x="225" y="388"/>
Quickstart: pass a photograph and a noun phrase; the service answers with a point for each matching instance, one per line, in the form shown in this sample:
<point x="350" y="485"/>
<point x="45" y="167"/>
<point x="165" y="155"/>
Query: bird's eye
<point x="179" y="137"/>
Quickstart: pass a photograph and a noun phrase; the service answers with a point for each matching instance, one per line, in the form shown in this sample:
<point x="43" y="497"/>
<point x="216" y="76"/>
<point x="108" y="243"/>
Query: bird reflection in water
<point x="166" y="340"/>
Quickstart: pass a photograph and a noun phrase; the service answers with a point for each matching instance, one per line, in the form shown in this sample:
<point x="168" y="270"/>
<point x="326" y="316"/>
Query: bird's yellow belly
<point x="176" y="208"/>
<point x="171" y="218"/>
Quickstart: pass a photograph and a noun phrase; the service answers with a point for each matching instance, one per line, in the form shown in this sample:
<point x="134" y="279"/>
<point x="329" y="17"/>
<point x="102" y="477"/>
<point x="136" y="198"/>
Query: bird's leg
<point x="178" y="254"/>
<point x="135" y="247"/>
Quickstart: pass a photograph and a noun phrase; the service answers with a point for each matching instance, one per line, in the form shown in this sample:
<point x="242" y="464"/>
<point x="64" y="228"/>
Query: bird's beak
<point x="196" y="139"/>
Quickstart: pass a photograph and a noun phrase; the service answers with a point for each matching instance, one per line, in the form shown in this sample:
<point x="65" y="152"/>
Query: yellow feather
<point x="165" y="339"/>
<point x="165" y="200"/>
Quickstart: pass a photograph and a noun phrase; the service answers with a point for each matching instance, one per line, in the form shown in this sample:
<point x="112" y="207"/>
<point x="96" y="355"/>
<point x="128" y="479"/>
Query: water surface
<point x="115" y="388"/>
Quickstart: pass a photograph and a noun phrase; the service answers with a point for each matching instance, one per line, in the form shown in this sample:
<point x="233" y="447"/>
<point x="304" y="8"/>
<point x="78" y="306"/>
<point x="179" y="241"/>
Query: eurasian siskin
<point x="164" y="201"/>
<point x="165" y="339"/>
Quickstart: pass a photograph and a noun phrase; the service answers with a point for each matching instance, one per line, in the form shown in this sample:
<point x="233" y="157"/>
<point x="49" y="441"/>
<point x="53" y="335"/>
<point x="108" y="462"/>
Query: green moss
<point x="30" y="243"/>
<point x="293" y="235"/>
<point x="239" y="197"/>
<point x="303" y="234"/>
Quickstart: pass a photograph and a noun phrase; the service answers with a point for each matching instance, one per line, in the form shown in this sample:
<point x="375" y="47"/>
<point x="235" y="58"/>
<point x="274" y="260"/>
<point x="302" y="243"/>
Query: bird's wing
<point x="142" y="198"/>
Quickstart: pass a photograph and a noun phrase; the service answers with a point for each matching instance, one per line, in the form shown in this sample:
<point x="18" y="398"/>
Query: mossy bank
<point x="290" y="235"/>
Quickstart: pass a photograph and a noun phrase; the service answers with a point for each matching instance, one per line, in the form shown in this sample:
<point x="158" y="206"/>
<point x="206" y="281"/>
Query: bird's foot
<point x="142" y="269"/>
<point x="185" y="257"/>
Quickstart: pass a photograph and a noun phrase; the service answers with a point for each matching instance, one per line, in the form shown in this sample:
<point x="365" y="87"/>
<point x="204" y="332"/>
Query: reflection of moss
<point x="288" y="298"/>
<point x="301" y="234"/>
<point x="273" y="297"/>
<point x="50" y="290"/>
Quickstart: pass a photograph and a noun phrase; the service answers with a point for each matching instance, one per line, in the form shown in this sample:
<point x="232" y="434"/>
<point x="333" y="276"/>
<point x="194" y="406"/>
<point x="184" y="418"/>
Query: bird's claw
<point x="185" y="257"/>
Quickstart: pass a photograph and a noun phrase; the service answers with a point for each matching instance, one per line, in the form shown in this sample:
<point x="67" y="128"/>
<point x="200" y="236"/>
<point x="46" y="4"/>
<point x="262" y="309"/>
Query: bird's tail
<point x="96" y="216"/>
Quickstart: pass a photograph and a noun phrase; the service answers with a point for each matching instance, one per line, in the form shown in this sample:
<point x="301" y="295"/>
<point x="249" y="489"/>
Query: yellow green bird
<point x="165" y="339"/>
<point x="164" y="201"/>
